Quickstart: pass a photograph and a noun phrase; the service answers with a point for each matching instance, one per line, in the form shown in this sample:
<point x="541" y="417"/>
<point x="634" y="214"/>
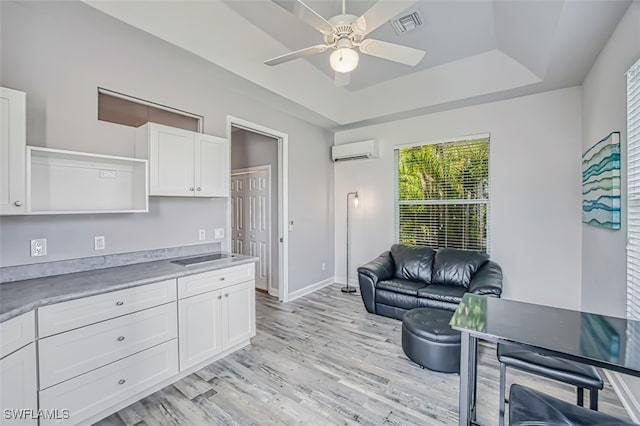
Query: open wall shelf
<point x="69" y="182"/>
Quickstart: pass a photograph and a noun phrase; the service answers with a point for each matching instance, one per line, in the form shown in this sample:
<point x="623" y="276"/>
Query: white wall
<point x="250" y="149"/>
<point x="603" y="111"/>
<point x="60" y="52"/>
<point x="535" y="190"/>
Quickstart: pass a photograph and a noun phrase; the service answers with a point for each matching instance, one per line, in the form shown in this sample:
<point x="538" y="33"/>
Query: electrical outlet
<point x="202" y="235"/>
<point x="39" y="247"/>
<point x="98" y="243"/>
<point x="219" y="233"/>
<point x="108" y="174"/>
<point x="324" y="266"/>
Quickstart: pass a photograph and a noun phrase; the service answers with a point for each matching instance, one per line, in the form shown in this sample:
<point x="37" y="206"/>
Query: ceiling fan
<point x="345" y="32"/>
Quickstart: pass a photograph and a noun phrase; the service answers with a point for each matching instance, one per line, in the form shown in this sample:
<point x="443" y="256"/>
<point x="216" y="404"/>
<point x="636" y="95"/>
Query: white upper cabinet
<point x="211" y="166"/>
<point x="12" y="151"/>
<point x="184" y="163"/>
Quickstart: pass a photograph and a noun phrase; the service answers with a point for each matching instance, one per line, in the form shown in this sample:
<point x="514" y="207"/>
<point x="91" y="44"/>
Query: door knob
<point x="198" y="189"/>
<point x="18" y="203"/>
<point x="191" y="188"/>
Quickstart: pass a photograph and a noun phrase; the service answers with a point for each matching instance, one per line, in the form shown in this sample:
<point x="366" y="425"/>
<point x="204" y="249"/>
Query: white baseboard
<point x="309" y="289"/>
<point x="629" y="401"/>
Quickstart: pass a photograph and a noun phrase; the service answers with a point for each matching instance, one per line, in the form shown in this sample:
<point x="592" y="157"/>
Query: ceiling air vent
<point x="407" y="23"/>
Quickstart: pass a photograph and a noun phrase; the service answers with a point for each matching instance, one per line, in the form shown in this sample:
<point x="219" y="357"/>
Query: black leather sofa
<point x="410" y="277"/>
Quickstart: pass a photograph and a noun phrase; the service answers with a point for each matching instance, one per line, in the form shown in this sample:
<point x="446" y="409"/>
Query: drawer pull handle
<point x="121" y="381"/>
<point x="119" y="303"/>
<point x="219" y="297"/>
<point x="226" y="295"/>
<point x="120" y="339"/>
<point x="221" y="278"/>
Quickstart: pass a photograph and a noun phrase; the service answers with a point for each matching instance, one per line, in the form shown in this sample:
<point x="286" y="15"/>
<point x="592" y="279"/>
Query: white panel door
<point x="211" y="166"/>
<point x="199" y="327"/>
<point x="257" y="235"/>
<point x="18" y="387"/>
<point x="238" y="313"/>
<point x="171" y="165"/>
<point x="12" y="151"/>
<point x="237" y="213"/>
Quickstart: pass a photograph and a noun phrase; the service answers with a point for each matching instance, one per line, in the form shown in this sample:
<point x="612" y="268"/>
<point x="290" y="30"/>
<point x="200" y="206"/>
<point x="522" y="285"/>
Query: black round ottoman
<point x="428" y="340"/>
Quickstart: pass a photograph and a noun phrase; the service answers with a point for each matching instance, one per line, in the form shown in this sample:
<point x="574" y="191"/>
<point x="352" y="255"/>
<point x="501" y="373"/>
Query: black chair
<point x="574" y="373"/>
<point x="530" y="407"/>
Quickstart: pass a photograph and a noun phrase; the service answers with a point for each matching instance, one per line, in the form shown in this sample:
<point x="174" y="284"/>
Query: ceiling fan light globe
<point x="344" y="59"/>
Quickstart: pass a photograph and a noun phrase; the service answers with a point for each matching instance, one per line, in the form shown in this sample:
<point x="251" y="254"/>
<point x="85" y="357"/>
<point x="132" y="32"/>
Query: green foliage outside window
<point x="443" y="195"/>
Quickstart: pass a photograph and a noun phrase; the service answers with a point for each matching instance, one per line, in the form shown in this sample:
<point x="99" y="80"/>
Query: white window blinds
<point x="633" y="192"/>
<point x="442" y="195"/>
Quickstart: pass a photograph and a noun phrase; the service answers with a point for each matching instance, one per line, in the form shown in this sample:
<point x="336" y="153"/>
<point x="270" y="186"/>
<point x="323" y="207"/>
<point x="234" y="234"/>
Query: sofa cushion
<point x="401" y="286"/>
<point x="456" y="267"/>
<point x="413" y="263"/>
<point x="443" y="293"/>
<point x="391" y="298"/>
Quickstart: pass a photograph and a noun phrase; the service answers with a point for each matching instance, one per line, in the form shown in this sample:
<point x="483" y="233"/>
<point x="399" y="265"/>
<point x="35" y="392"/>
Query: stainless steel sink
<point x="189" y="261"/>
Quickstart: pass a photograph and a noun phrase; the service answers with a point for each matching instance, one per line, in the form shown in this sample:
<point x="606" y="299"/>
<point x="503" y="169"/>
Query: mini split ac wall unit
<point x="355" y="151"/>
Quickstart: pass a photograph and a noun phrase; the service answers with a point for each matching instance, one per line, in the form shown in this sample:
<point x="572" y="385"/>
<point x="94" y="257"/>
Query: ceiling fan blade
<point x="297" y="54"/>
<point x="342" y="79"/>
<point x="393" y="52"/>
<point x="308" y="15"/>
<point x="380" y="13"/>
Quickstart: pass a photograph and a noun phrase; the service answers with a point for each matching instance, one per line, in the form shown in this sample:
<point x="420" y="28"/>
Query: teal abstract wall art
<point x="601" y="183"/>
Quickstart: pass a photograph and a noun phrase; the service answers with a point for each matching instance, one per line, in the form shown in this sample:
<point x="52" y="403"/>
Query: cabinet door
<point x="238" y="313"/>
<point x="18" y="392"/>
<point x="12" y="151"/>
<point x="211" y="166"/>
<point x="199" y="319"/>
<point x="171" y="169"/>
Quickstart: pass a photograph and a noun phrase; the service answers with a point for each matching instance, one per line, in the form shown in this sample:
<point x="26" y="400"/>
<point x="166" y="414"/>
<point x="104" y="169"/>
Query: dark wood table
<point x="599" y="340"/>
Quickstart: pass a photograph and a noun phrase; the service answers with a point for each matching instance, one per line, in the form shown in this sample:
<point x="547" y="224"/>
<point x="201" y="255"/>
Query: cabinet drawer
<point x="94" y="392"/>
<point x="66" y="316"/>
<point x="16" y="333"/>
<point x="75" y="352"/>
<point x="208" y="281"/>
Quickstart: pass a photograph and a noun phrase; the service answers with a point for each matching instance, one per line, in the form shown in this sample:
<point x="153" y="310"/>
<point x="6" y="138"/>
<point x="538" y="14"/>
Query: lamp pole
<point x="349" y="289"/>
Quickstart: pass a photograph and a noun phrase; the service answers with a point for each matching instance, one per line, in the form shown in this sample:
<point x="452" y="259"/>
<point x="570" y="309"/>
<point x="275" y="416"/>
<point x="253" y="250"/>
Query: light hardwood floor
<point x="323" y="360"/>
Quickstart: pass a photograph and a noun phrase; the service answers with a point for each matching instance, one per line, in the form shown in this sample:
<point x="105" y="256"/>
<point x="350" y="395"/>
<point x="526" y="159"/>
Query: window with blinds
<point x="633" y="192"/>
<point x="442" y="194"/>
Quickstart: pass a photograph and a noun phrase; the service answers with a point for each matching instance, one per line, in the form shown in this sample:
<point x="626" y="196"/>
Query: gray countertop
<point x="19" y="297"/>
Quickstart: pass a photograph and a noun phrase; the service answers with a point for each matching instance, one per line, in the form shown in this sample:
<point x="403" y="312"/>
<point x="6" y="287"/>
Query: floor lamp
<point x="349" y="289"/>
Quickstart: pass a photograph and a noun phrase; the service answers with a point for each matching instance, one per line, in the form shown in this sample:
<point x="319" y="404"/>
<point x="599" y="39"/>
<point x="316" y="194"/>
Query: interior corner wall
<point x="535" y="226"/>
<point x="604" y="100"/>
<point x="249" y="149"/>
<point x="60" y="52"/>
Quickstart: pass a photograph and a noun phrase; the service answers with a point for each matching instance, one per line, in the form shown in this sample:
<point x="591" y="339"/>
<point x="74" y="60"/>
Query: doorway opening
<point x="257" y="208"/>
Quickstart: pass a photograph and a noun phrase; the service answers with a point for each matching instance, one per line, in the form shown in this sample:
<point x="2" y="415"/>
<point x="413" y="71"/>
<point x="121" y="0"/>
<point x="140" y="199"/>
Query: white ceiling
<point x="477" y="51"/>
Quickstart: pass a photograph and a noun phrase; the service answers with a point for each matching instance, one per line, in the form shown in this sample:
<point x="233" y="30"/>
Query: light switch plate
<point x="99" y="243"/>
<point x="219" y="233"/>
<point x="202" y="235"/>
<point x="39" y="247"/>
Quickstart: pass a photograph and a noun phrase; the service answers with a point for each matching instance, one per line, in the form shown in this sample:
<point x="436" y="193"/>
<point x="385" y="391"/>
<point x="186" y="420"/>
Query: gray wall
<point x="60" y="52"/>
<point x="250" y="149"/>
<point x="604" y="101"/>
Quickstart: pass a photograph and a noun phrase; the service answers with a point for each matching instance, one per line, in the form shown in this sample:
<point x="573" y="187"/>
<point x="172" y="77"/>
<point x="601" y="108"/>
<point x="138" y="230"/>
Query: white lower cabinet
<point x="200" y="333"/>
<point x="93" y="392"/>
<point x="215" y="321"/>
<point x="75" y="352"/>
<point x="18" y="387"/>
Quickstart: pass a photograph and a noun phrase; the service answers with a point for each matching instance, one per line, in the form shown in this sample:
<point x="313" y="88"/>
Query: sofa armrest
<point x="379" y="269"/>
<point x="487" y="280"/>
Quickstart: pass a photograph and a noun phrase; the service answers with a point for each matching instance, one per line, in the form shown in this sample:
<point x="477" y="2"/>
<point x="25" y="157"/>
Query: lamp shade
<point x="344" y="59"/>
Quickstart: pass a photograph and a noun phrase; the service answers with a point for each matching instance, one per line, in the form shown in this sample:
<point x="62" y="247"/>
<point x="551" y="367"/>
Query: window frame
<point x="460" y="139"/>
<point x="633" y="194"/>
